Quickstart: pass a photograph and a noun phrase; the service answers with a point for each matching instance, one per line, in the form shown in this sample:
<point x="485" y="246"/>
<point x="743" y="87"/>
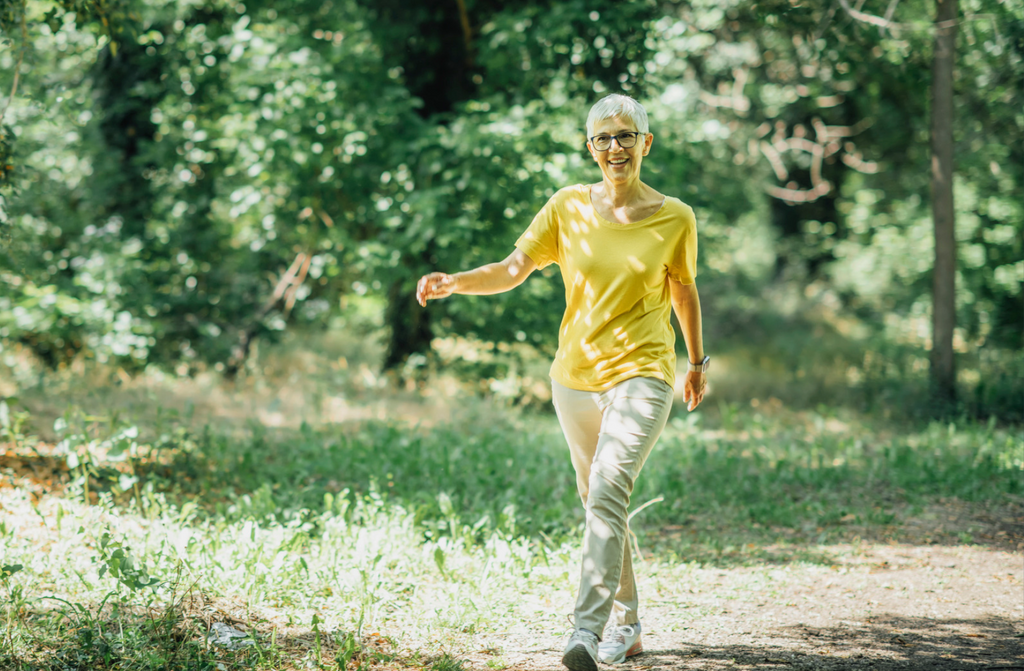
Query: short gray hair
<point x="618" y="105"/>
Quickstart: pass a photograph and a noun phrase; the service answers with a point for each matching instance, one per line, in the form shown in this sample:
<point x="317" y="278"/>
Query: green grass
<point x="498" y="469"/>
<point x="386" y="544"/>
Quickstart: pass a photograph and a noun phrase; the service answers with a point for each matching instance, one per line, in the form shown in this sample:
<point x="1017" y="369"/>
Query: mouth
<point x="618" y="162"/>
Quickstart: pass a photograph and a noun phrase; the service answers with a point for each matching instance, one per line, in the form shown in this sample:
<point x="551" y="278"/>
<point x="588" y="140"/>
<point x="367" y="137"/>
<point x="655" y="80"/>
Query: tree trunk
<point x="409" y="325"/>
<point x="943" y="370"/>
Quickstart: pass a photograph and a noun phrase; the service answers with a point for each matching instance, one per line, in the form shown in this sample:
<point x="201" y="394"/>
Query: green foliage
<point x="348" y="648"/>
<point x="782" y="81"/>
<point x="481" y="476"/>
<point x="100" y="451"/>
<point x="182" y="179"/>
<point x="448" y="662"/>
<point x="13" y="423"/>
<point x="384" y="526"/>
<point x="117" y="558"/>
<point x="7" y="570"/>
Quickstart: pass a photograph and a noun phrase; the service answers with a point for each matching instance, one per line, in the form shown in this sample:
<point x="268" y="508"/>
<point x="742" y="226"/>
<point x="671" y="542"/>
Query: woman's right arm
<point x="494" y="278"/>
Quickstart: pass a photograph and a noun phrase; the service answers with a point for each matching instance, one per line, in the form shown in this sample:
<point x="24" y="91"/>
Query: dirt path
<point x="883" y="607"/>
<point x="879" y="607"/>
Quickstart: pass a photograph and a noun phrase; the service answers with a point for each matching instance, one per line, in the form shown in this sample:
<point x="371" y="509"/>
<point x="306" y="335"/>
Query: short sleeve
<point x="683" y="267"/>
<point x="540" y="240"/>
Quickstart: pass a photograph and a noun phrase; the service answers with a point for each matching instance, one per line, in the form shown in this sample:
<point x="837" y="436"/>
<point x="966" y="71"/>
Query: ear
<point x="593" y="154"/>
<point x="648" y="141"/>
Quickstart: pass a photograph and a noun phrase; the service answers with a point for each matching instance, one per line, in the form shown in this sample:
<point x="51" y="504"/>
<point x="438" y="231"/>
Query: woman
<point x="628" y="257"/>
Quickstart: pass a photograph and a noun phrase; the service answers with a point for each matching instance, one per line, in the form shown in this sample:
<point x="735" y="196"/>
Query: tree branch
<point x="467" y="31"/>
<point x="17" y="68"/>
<point x="287" y="283"/>
<point x="868" y="18"/>
<point x="888" y="15"/>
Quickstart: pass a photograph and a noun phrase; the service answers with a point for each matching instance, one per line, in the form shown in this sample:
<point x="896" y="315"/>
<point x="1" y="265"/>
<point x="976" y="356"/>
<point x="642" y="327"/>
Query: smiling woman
<point x="628" y="255"/>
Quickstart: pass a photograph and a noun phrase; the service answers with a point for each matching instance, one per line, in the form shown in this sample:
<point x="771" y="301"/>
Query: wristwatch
<point x="701" y="367"/>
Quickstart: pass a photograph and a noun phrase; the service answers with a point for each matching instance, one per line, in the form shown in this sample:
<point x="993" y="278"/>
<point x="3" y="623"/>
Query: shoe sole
<point x="578" y="659"/>
<point x="635" y="650"/>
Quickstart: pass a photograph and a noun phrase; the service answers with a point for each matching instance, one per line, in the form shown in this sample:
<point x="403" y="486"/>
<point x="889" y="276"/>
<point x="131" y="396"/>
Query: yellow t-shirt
<point x="617" y="316"/>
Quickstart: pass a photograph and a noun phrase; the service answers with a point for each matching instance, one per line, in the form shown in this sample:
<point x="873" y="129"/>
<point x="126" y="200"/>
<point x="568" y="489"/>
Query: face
<point x="617" y="164"/>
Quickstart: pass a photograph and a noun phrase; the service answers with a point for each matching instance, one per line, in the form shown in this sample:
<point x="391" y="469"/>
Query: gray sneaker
<point x="620" y="643"/>
<point x="581" y="652"/>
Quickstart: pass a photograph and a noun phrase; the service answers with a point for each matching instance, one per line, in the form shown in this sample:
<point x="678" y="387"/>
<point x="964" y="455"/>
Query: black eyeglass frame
<point x="616" y="138"/>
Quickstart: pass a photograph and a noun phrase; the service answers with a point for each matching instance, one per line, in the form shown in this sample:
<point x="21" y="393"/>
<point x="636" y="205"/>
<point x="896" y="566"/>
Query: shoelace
<point x="619" y="634"/>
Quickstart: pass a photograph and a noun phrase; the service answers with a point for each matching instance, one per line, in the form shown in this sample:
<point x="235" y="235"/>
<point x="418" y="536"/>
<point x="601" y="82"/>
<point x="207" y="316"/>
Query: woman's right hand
<point x="434" y="286"/>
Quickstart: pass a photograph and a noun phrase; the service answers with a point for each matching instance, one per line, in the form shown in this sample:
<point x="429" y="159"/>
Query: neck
<point x="623" y="193"/>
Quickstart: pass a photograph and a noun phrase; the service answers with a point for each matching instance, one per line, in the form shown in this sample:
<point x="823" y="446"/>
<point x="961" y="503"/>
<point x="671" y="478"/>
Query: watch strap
<point x="701" y="367"/>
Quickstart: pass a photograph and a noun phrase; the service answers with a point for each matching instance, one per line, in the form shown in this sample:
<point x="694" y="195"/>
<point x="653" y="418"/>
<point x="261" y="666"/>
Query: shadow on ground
<point x="996" y="524"/>
<point x="884" y="643"/>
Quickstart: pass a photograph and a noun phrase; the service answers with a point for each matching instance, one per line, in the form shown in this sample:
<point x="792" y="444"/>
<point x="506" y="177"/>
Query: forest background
<point x="183" y="179"/>
<point x="230" y="439"/>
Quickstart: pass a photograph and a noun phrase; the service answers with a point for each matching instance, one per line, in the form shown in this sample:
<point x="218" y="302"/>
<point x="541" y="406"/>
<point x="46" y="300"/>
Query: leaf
<point x="445" y="503"/>
<point x="439" y="560"/>
<point x="116" y="453"/>
<point x="7" y="570"/>
<point x="126" y="482"/>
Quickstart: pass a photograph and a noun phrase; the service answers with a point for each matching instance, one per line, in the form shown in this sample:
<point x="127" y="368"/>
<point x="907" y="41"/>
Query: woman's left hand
<point x="693" y="389"/>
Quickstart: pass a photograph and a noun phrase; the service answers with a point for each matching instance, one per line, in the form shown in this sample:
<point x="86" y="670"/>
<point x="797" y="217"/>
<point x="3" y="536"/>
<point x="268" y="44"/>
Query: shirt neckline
<point x="615" y="224"/>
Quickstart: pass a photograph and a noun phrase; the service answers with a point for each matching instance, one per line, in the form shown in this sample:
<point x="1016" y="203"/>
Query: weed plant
<point x="363" y="545"/>
<point x="511" y="471"/>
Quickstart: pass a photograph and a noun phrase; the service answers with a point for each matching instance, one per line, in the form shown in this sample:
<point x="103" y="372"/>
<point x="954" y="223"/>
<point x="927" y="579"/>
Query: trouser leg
<point x="579" y="414"/>
<point x="610" y="435"/>
<point x="626" y="604"/>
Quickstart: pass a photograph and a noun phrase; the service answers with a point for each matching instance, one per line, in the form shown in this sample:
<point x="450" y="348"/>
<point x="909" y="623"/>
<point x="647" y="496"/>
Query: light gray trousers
<point x="610" y="434"/>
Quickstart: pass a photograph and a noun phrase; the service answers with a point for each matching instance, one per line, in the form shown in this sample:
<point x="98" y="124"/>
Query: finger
<point x="427" y="293"/>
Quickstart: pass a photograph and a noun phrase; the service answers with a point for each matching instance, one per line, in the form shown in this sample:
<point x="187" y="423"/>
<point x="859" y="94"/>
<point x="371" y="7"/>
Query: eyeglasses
<point x="604" y="142"/>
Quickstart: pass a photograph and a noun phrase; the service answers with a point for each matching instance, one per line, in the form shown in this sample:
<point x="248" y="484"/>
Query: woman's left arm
<point x="686" y="304"/>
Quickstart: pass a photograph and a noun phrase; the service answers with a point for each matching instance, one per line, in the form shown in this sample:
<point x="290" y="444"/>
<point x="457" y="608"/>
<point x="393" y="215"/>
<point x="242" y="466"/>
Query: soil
<point x="880" y="606"/>
<point x="886" y="607"/>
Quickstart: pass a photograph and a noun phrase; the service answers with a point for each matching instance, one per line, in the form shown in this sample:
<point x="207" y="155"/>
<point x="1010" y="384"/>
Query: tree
<point x="190" y="176"/>
<point x="511" y="65"/>
<point x="943" y="370"/>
